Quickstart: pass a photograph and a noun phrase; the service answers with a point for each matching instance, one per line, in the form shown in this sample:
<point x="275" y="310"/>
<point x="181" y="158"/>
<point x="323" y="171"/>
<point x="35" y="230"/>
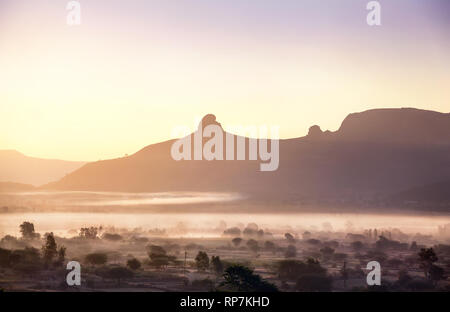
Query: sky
<point x="135" y="70"/>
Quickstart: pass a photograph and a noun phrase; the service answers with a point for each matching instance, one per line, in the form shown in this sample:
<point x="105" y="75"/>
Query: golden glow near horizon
<point x="119" y="82"/>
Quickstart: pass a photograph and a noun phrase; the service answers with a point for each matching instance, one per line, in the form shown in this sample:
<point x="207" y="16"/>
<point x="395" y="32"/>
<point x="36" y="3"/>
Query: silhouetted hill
<point x="15" y="187"/>
<point x="435" y="192"/>
<point x="374" y="153"/>
<point x="19" y="168"/>
<point x="401" y="126"/>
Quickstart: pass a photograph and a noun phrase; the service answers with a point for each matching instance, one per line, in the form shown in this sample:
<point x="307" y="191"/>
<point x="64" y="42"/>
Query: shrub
<point x="96" y="258"/>
<point x="134" y="264"/>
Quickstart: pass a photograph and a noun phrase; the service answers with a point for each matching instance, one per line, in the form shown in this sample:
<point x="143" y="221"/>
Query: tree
<point x="96" y="258"/>
<point x="27" y="230"/>
<point x="260" y="233"/>
<point x="61" y="254"/>
<point x="253" y="245"/>
<point x="436" y="274"/>
<point x="403" y="279"/>
<point x="5" y="257"/>
<point x="327" y="252"/>
<point x="427" y="257"/>
<point x="338" y="256"/>
<point x="306" y="235"/>
<point x="134" y="264"/>
<point x="309" y="275"/>
<point x="119" y="273"/>
<point x="293" y="269"/>
<point x="289" y="238"/>
<point x="49" y="249"/>
<point x="112" y="237"/>
<point x="291" y="252"/>
<point x="89" y="232"/>
<point x="202" y="261"/>
<point x="270" y="245"/>
<point x="357" y="246"/>
<point x="236" y="241"/>
<point x="241" y="278"/>
<point x="250" y="231"/>
<point x="234" y="231"/>
<point x="158" y="256"/>
<point x="217" y="264"/>
<point x="314" y="282"/>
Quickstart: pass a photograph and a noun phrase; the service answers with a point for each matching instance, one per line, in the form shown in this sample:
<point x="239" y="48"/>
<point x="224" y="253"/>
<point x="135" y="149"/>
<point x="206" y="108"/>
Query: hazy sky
<point x="133" y="70"/>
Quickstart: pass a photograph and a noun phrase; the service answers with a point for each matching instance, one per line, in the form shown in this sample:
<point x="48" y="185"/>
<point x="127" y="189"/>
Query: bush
<point x="291" y="252"/>
<point x="293" y="269"/>
<point x="241" y="278"/>
<point x="5" y="257"/>
<point x="314" y="282"/>
<point x="204" y="284"/>
<point x="112" y="237"/>
<point x="217" y="264"/>
<point x="236" y="241"/>
<point x="134" y="264"/>
<point x="253" y="245"/>
<point x="119" y="273"/>
<point x="158" y="256"/>
<point x="234" y="231"/>
<point x="202" y="261"/>
<point x="96" y="258"/>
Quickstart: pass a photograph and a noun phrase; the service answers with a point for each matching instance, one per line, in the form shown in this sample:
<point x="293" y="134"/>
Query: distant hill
<point x="434" y="192"/>
<point x="18" y="168"/>
<point x="374" y="153"/>
<point x="15" y="187"/>
<point x="404" y="126"/>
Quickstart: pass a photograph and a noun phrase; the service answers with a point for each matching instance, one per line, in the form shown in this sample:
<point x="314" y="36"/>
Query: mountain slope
<point x="435" y="192"/>
<point x="374" y="153"/>
<point x="16" y="167"/>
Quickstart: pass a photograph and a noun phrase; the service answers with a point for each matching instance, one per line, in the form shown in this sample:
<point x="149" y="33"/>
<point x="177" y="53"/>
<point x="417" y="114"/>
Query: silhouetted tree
<point x="357" y="246"/>
<point x="327" y="252"/>
<point x="159" y="257"/>
<point x="436" y="274"/>
<point x="27" y="230"/>
<point x="427" y="257"/>
<point x="293" y="269"/>
<point x="134" y="264"/>
<point x="241" y="278"/>
<point x="5" y="257"/>
<point x="270" y="245"/>
<point x="291" y="252"/>
<point x="49" y="249"/>
<point x="119" y="273"/>
<point x="202" y="261"/>
<point x="96" y="258"/>
<point x="234" y="231"/>
<point x="289" y="238"/>
<point x="314" y="282"/>
<point x="236" y="241"/>
<point x="306" y="235"/>
<point x="112" y="237"/>
<point x="89" y="232"/>
<point x="217" y="265"/>
<point x="253" y="245"/>
<point x="61" y="254"/>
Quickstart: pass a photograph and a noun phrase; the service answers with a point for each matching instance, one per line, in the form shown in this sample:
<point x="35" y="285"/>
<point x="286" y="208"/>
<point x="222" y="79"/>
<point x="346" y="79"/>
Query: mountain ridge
<point x="338" y="164"/>
<point x="18" y="168"/>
